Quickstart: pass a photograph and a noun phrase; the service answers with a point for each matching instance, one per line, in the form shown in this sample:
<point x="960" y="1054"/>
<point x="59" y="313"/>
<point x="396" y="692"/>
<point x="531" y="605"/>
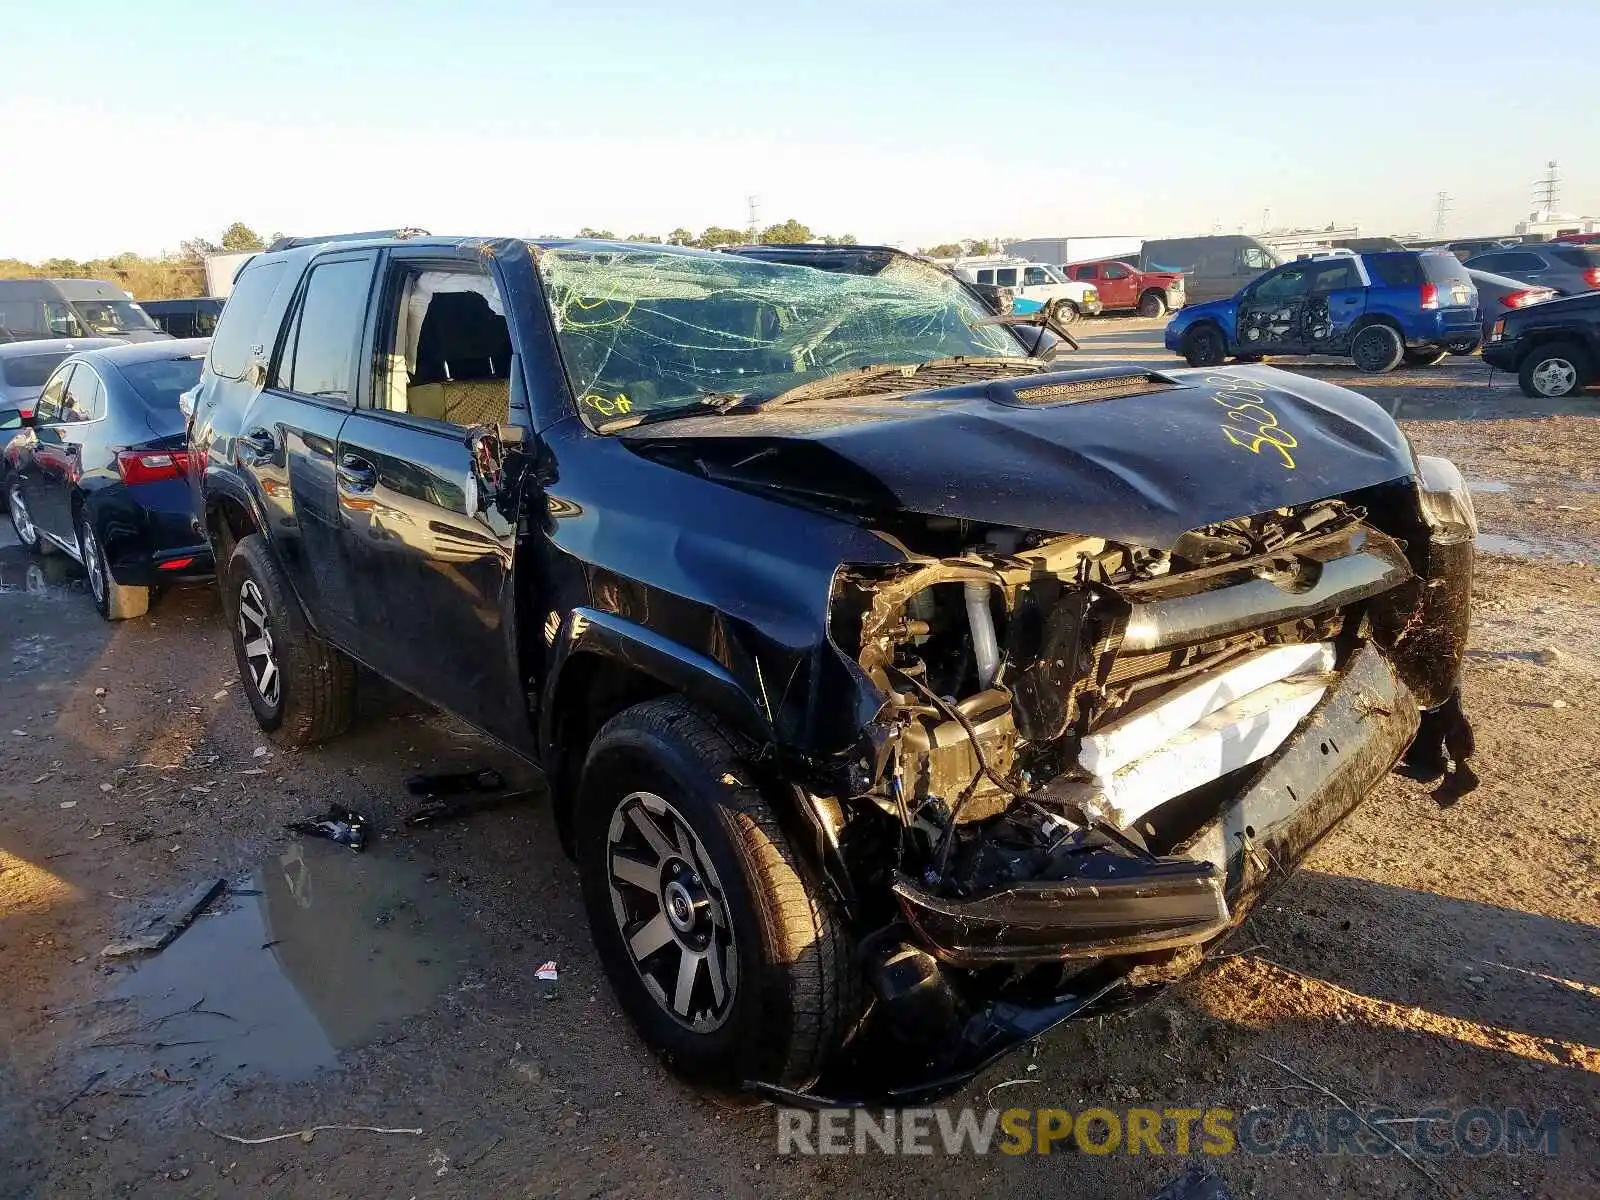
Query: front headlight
<point x="1445" y="500"/>
<point x="1091" y="294"/>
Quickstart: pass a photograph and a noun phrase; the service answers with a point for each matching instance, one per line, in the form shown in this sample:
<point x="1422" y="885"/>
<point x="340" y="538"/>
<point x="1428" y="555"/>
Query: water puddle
<point x="317" y="953"/>
<point x="52" y="575"/>
<point x="1537" y="547"/>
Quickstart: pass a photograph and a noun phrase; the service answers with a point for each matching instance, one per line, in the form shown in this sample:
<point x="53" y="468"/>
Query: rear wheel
<point x="114" y="601"/>
<point x="717" y="938"/>
<point x="300" y="688"/>
<point x="1553" y="371"/>
<point x="1204" y="346"/>
<point x="1426" y="357"/>
<point x="1377" y="349"/>
<point x="1152" y="304"/>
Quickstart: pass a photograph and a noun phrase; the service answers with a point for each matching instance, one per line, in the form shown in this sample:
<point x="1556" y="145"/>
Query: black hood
<point x="1126" y="454"/>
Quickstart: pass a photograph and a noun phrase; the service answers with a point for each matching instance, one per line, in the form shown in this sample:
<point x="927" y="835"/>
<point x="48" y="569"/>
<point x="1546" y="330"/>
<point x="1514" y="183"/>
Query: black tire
<point x="1425" y="358"/>
<point x="1068" y="313"/>
<point x="1462" y="346"/>
<point x="1204" y="346"/>
<point x="1152" y="304"/>
<point x="1377" y="349"/>
<point x="112" y="600"/>
<point x="1556" y="370"/>
<point x="316" y="684"/>
<point x="1250" y="359"/>
<point x="795" y="994"/>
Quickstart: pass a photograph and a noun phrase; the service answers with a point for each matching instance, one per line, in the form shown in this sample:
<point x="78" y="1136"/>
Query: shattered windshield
<point x="645" y="331"/>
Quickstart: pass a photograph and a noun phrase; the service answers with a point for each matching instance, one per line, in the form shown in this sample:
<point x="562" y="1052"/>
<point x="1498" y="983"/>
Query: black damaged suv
<point x="894" y="686"/>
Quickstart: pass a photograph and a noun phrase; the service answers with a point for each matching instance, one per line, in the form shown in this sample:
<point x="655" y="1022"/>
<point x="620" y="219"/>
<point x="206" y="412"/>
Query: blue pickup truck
<point x="1377" y="309"/>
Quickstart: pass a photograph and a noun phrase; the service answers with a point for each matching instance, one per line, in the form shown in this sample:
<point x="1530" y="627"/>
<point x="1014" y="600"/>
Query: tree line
<point x="166" y="277"/>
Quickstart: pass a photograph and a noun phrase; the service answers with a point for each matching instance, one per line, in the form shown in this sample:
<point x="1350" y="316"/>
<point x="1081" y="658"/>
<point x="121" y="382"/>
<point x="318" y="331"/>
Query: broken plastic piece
<point x="1244" y="732"/>
<point x="547" y="972"/>
<point x="1129" y="737"/>
<point x="448" y="807"/>
<point x="341" y="825"/>
<point x="170" y="926"/>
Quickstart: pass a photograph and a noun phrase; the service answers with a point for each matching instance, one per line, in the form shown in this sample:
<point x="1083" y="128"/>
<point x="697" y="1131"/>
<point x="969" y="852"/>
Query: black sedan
<point x="99" y="472"/>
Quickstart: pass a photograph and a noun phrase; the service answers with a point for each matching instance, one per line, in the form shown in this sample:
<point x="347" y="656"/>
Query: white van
<point x="1030" y="281"/>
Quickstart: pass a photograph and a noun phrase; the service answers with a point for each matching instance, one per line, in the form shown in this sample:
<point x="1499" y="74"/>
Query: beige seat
<point x="463" y="356"/>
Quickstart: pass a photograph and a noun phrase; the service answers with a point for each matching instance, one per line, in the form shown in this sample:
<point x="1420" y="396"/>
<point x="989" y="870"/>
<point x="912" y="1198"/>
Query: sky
<point x="134" y="127"/>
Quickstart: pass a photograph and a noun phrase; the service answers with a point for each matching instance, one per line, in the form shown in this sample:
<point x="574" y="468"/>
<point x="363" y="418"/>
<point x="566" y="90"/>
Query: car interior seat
<point x="463" y="362"/>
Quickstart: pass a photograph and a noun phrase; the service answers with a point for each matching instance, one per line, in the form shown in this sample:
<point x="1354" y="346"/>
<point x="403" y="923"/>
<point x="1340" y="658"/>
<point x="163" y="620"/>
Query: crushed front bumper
<point x="1209" y="882"/>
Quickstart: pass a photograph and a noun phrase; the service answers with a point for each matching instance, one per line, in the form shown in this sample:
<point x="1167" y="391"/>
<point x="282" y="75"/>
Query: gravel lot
<point x="1424" y="957"/>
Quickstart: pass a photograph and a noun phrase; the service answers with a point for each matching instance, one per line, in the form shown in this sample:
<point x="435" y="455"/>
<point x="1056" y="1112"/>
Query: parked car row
<point x="874" y="705"/>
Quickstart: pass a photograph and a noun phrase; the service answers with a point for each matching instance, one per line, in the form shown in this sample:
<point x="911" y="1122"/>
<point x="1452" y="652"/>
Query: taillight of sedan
<point x="1527" y="296"/>
<point x="150" y="466"/>
<point x="1591" y="276"/>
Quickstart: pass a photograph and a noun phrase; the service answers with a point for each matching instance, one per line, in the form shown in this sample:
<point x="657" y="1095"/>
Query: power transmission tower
<point x="1548" y="190"/>
<point x="1441" y="209"/>
<point x="753" y="230"/>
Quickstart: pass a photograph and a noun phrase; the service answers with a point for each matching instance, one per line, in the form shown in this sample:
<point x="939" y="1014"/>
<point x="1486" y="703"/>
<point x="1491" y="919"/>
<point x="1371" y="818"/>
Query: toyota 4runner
<point x="894" y="686"/>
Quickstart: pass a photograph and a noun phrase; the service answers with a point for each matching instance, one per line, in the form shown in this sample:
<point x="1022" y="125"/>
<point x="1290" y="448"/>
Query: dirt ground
<point x="1423" y="957"/>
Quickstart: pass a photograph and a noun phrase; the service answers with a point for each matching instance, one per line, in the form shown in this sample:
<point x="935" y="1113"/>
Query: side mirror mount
<point x="488" y="451"/>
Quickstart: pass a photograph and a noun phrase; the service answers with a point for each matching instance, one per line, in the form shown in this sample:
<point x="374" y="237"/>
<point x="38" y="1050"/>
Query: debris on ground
<point x="343" y="826"/>
<point x="1197" y="1183"/>
<point x="305" y="1135"/>
<point x="547" y="972"/>
<point x="449" y="807"/>
<point x="455" y="783"/>
<point x="169" y="926"/>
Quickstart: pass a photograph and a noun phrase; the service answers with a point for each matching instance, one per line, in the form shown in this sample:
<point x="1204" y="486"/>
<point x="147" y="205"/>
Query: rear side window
<point x="48" y="410"/>
<point x="320" y="358"/>
<point x="159" y="382"/>
<point x="1006" y="277"/>
<point x="986" y="276"/>
<point x="239" y="328"/>
<point x="1397" y="270"/>
<point x="86" y="397"/>
<point x="31" y="370"/>
<point x="1446" y="270"/>
<point x="1577" y="256"/>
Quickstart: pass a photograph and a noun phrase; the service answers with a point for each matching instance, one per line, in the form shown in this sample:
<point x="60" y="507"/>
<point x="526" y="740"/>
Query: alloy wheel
<point x="1555" y="377"/>
<point x="93" y="566"/>
<point x="255" y="635"/>
<point x="671" y="911"/>
<point x="20" y="520"/>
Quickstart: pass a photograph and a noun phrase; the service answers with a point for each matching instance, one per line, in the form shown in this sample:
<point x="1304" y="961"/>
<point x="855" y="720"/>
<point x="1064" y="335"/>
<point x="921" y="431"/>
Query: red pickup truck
<point x="1122" y="285"/>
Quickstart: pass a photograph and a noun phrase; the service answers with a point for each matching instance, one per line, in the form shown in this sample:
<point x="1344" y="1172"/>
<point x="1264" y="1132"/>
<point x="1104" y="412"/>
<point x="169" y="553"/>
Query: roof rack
<point x="290" y="243"/>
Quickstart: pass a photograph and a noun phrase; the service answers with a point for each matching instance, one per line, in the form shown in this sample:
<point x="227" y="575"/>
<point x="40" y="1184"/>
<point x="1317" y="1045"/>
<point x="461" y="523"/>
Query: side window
<point x="1289" y="284"/>
<point x="1493" y="263"/>
<point x="986" y="276"/>
<point x="86" y="397"/>
<point x="1523" y="262"/>
<point x="22" y="316"/>
<point x="1255" y="258"/>
<point x="447" y="355"/>
<point x="319" y="359"/>
<point x="62" y="320"/>
<point x="1330" y="277"/>
<point x="239" y="328"/>
<point x="1115" y="271"/>
<point x="47" y="410"/>
<point x="205" y="322"/>
<point x="1006" y="277"/>
<point x="1034" y="275"/>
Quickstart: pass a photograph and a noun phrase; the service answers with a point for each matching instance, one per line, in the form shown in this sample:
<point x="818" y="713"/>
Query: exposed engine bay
<point x="1064" y="708"/>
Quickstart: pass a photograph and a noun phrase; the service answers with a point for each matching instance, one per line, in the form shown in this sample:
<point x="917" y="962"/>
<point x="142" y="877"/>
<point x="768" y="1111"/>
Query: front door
<point x="1272" y="312"/>
<point x="429" y="543"/>
<point x="313" y="384"/>
<point x="42" y="459"/>
<point x="1118" y="287"/>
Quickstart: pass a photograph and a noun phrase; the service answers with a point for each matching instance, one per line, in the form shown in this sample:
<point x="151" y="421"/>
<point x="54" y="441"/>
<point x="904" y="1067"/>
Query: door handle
<point x="356" y="474"/>
<point x="257" y="445"/>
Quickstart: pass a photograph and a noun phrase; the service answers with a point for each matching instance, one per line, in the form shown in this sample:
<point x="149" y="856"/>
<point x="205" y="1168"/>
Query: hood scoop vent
<point x="1052" y="390"/>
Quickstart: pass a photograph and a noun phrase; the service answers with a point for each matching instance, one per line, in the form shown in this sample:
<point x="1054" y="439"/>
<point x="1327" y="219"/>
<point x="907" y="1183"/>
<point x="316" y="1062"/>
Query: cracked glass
<point x="647" y="330"/>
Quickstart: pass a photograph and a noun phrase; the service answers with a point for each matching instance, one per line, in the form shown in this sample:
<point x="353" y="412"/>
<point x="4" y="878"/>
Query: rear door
<point x="39" y="455"/>
<point x="430" y="550"/>
<point x="1338" y="296"/>
<point x="290" y="443"/>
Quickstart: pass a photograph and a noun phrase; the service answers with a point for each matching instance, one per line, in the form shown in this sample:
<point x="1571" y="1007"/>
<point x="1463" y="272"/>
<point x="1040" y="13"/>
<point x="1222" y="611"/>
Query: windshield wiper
<point x="718" y="403"/>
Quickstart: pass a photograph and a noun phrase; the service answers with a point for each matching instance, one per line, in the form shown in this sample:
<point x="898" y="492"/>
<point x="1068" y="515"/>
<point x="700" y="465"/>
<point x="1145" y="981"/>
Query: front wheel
<point x="1204" y="346"/>
<point x="717" y="938"/>
<point x="1067" y="312"/>
<point x="22" y="521"/>
<point x="1551" y="372"/>
<point x="300" y="688"/>
<point x="1425" y="357"/>
<point x="1377" y="349"/>
<point x="1152" y="304"/>
<point x="113" y="601"/>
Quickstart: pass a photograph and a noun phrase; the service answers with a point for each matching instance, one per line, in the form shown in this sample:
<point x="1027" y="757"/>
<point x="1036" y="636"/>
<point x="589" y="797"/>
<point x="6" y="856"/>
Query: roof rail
<point x="1337" y="252"/>
<point x="290" y="243"/>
